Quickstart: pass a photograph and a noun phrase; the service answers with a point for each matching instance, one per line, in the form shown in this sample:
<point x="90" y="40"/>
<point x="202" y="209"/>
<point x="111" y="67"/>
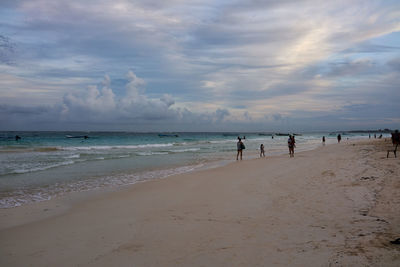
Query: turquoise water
<point x="42" y="165"/>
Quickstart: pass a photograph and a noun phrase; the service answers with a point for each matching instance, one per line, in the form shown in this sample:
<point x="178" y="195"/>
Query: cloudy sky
<point x="199" y="65"/>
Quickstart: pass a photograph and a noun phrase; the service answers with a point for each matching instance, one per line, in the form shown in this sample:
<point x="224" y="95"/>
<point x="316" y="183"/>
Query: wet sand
<point x="338" y="205"/>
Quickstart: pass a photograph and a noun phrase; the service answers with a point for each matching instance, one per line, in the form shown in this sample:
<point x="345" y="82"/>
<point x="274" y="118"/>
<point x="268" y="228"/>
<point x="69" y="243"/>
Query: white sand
<point x="338" y="205"/>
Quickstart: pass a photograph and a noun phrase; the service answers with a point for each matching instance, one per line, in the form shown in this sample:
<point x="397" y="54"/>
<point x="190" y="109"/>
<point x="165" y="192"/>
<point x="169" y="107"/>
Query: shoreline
<point x="102" y="180"/>
<point x="69" y="199"/>
<point x="207" y="165"/>
<point x="326" y="204"/>
<point x="28" y="195"/>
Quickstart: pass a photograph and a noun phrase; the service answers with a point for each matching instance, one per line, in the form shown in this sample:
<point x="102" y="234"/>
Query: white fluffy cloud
<point x="102" y="105"/>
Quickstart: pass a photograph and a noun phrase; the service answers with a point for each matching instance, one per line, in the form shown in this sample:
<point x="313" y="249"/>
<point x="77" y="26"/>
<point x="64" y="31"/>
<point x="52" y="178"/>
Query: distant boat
<point x="287" y="134"/>
<point x="344" y="133"/>
<point x="281" y="134"/>
<point x="229" y="134"/>
<point x="77" y="136"/>
<point x="168" y="135"/>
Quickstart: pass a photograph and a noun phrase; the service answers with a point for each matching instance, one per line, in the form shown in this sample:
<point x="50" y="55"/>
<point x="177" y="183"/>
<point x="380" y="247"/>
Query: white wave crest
<point x="78" y="148"/>
<point x="35" y="169"/>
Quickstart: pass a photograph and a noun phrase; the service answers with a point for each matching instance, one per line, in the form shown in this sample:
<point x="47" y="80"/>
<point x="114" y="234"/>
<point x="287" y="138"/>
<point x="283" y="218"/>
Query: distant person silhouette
<point x="396" y="137"/>
<point x="262" y="152"/>
<point x="291" y="145"/>
<point x="339" y="137"/>
<point x="240" y="146"/>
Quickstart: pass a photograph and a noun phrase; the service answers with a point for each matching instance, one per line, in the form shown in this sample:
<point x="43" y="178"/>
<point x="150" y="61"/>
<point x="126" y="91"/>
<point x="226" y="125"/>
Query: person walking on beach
<point x="262" y="152"/>
<point x="339" y="137"/>
<point x="291" y="144"/>
<point x="323" y="140"/>
<point x="240" y="147"/>
<point x="396" y="137"/>
<point x="294" y="145"/>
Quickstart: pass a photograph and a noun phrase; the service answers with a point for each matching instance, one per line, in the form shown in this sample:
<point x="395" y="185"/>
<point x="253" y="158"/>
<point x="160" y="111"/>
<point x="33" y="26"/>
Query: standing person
<point x="323" y="140"/>
<point x="262" y="152"/>
<point x="291" y="146"/>
<point x="240" y="146"/>
<point x="396" y="137"/>
<point x="294" y="145"/>
<point x="339" y="137"/>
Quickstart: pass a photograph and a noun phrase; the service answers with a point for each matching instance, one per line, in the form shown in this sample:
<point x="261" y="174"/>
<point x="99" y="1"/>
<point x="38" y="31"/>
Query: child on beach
<point x="262" y="152"/>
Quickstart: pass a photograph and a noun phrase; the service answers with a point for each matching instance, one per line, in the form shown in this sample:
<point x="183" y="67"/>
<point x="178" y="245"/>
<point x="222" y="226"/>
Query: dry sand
<point x="338" y="205"/>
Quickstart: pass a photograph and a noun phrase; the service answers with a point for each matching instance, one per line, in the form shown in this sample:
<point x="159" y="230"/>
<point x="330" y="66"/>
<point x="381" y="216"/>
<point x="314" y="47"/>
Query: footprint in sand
<point x="368" y="178"/>
<point x="129" y="247"/>
<point x="328" y="173"/>
<point x="177" y="217"/>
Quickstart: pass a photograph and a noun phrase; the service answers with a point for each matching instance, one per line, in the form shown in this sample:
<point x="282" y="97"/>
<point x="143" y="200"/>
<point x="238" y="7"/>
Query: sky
<point x="200" y="65"/>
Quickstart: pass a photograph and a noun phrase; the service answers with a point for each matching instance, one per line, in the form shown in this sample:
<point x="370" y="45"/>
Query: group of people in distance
<point x="241" y="146"/>
<point x="292" y="144"/>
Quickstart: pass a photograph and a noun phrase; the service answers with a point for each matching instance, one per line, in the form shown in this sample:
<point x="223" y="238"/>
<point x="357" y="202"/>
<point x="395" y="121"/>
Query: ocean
<point x="43" y="165"/>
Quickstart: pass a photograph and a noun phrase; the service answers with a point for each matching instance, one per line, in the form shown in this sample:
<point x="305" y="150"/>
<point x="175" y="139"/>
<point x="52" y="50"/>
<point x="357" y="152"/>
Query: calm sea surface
<point x="42" y="165"/>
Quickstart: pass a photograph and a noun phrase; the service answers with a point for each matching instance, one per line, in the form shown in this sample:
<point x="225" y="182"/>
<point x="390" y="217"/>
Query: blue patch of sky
<point x="381" y="49"/>
<point x="391" y="39"/>
<point x="10" y="17"/>
<point x="374" y="52"/>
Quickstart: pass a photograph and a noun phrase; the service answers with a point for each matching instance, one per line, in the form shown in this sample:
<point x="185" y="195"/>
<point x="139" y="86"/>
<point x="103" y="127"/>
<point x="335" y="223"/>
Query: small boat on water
<point x="168" y="135"/>
<point x="230" y="134"/>
<point x="287" y="134"/>
<point x="77" y="136"/>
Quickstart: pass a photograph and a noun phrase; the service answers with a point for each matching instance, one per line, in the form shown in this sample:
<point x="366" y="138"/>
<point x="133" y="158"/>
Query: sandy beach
<point x="338" y="205"/>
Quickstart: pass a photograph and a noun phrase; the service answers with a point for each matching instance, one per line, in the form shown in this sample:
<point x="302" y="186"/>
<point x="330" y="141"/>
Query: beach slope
<point x="338" y="205"/>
